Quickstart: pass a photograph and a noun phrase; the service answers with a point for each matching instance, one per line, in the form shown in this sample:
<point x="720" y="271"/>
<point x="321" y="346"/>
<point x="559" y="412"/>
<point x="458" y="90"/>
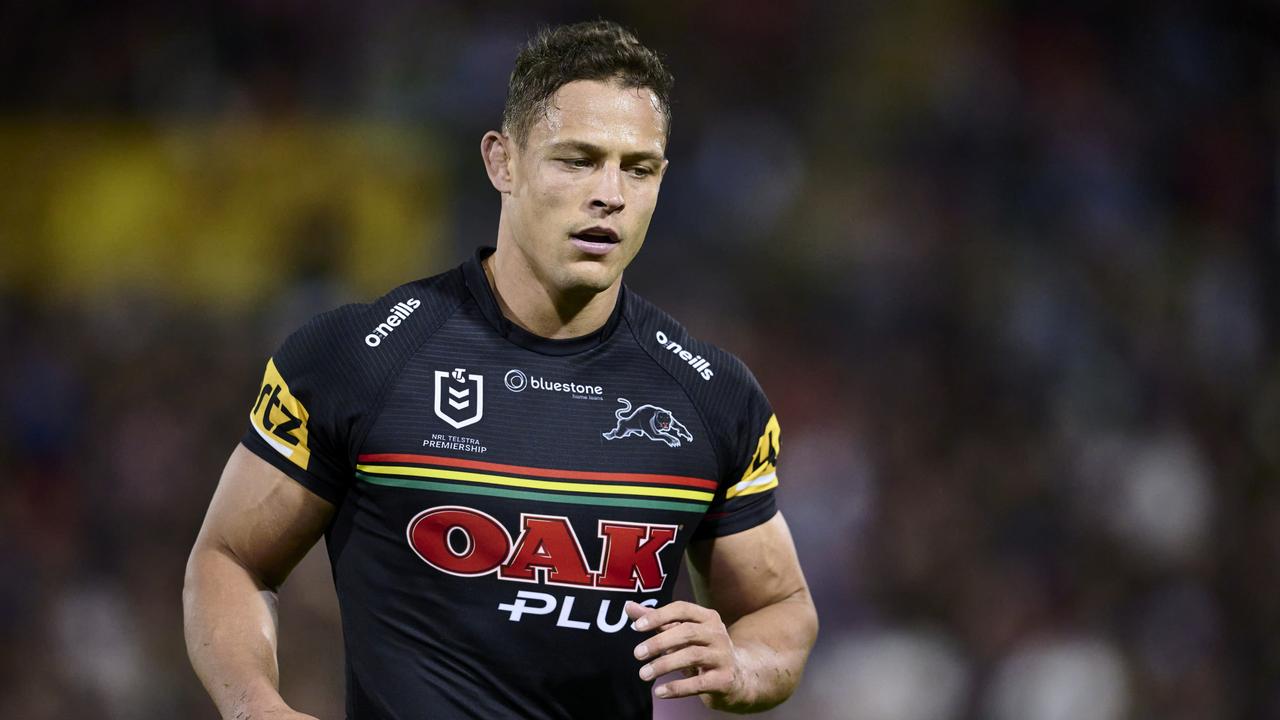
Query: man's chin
<point x="588" y="277"/>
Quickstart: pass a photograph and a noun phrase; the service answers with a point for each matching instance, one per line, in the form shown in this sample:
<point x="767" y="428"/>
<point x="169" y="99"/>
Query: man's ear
<point x="498" y="153"/>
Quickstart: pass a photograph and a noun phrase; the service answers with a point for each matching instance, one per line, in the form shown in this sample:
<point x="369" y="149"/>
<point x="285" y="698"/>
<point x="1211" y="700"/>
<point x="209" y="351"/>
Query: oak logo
<point x="469" y="543"/>
<point x="459" y="397"/>
<point x="280" y="418"/>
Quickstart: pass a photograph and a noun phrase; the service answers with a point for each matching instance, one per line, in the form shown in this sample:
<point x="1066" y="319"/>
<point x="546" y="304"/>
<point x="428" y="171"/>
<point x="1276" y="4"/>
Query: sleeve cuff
<point x="754" y="510"/>
<point x="327" y="489"/>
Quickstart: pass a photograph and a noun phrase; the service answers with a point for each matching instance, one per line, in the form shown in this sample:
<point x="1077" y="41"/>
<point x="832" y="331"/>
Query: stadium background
<point x="1009" y="273"/>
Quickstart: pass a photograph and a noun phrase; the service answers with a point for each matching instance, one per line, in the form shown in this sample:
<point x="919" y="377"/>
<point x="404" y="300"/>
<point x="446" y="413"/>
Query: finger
<point x="688" y="659"/>
<point x="679" y="611"/>
<point x="682" y="635"/>
<point x="635" y="610"/>
<point x="713" y="681"/>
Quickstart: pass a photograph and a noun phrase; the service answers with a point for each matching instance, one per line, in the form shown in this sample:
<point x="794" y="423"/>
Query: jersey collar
<point x="478" y="284"/>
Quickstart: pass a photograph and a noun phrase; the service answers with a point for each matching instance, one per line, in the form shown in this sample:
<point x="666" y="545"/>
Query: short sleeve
<point x="746" y="494"/>
<point x="321" y="390"/>
<point x="300" y="421"/>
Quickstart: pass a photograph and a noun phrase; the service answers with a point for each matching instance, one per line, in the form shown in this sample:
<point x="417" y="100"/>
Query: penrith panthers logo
<point x="648" y="421"/>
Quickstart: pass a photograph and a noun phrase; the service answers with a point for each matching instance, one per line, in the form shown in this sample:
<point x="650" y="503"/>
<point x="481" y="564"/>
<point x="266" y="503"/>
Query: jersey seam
<point x="720" y="460"/>
<point x="384" y="388"/>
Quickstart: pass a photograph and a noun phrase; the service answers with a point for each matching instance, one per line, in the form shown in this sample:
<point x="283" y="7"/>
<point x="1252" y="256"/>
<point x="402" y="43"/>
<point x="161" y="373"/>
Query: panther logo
<point x="649" y="421"/>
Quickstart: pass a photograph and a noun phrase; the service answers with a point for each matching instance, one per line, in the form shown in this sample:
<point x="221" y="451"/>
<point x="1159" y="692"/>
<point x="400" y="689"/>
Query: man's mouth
<point x="597" y="234"/>
<point x="595" y="240"/>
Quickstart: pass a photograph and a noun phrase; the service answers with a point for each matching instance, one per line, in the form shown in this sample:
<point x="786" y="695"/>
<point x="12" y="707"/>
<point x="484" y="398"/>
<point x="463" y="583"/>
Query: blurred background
<point x="1010" y="273"/>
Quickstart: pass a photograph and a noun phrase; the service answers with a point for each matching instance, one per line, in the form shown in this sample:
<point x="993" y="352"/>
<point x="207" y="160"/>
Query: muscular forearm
<point x="744" y="647"/>
<point x="771" y="646"/>
<point x="230" y="626"/>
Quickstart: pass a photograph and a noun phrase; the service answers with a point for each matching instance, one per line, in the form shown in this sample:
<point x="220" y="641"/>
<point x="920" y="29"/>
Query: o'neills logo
<point x="399" y="313"/>
<point x="697" y="362"/>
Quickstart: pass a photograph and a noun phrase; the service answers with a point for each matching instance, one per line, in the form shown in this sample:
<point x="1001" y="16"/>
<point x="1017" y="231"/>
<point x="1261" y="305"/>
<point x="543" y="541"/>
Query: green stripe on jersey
<point x="530" y="495"/>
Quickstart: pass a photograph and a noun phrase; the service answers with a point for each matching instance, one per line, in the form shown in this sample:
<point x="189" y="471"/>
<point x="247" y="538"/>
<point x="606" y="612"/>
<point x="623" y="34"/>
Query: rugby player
<point x="508" y="461"/>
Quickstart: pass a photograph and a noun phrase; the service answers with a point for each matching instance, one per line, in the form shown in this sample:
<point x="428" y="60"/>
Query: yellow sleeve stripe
<point x="753" y="486"/>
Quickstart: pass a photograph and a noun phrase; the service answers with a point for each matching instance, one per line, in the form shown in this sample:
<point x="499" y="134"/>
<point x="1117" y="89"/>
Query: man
<point x="508" y="460"/>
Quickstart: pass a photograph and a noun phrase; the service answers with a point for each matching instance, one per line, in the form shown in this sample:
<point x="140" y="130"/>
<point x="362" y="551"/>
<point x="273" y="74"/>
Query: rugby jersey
<point x="500" y="495"/>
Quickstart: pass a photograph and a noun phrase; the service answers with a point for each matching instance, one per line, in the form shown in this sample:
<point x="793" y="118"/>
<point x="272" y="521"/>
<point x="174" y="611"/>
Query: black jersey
<point x="500" y="495"/>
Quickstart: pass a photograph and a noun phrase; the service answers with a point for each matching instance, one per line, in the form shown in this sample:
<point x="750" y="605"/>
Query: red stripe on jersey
<point x="540" y="472"/>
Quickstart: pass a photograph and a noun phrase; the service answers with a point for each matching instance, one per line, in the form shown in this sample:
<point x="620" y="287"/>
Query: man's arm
<point x="748" y="646"/>
<point x="259" y="526"/>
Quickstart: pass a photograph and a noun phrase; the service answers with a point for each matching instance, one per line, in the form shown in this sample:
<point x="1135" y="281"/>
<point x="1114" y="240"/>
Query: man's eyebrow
<point x="595" y="150"/>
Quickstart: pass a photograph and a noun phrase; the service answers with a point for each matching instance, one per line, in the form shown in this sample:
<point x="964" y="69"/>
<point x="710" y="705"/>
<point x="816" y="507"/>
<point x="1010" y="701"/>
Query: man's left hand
<point x="694" y="640"/>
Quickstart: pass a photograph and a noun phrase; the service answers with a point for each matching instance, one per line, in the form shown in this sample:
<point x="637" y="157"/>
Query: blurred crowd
<point x="1010" y="274"/>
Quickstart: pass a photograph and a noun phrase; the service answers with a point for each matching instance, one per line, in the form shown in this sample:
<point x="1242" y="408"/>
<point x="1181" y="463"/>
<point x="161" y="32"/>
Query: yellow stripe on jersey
<point x="280" y="418"/>
<point x="507" y="481"/>
<point x="762" y="473"/>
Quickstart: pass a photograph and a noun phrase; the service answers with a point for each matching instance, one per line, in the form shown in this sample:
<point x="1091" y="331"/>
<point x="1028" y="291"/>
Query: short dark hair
<point x="595" y="50"/>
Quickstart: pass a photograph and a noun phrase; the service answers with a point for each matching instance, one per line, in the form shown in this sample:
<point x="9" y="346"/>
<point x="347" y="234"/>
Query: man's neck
<point x="527" y="301"/>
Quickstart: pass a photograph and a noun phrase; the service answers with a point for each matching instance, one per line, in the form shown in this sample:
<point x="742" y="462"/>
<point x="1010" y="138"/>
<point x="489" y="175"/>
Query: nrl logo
<point x="464" y="404"/>
<point x="648" y="421"/>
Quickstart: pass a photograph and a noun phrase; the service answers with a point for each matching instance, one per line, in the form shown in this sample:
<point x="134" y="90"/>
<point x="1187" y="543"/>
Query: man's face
<point x="584" y="184"/>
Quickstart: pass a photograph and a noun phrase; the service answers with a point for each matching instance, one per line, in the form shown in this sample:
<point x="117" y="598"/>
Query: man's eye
<point x="641" y="171"/>
<point x="577" y="162"/>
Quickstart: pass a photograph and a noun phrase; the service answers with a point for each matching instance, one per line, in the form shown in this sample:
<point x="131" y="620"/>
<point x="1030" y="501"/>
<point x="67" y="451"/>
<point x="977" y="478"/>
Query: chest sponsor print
<point x="466" y="542"/>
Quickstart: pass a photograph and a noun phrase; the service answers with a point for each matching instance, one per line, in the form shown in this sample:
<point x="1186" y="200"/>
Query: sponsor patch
<point x="465" y="542"/>
<point x="280" y="419"/>
<point x="518" y="380"/>
<point x="762" y="472"/>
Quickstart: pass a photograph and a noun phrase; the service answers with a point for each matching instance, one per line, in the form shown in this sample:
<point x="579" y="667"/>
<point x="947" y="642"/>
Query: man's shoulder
<point x="414" y="310"/>
<point x="722" y="388"/>
<point x="701" y="366"/>
<point x="358" y="339"/>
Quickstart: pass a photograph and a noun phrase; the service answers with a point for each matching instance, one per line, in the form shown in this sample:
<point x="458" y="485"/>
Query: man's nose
<point x="607" y="194"/>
